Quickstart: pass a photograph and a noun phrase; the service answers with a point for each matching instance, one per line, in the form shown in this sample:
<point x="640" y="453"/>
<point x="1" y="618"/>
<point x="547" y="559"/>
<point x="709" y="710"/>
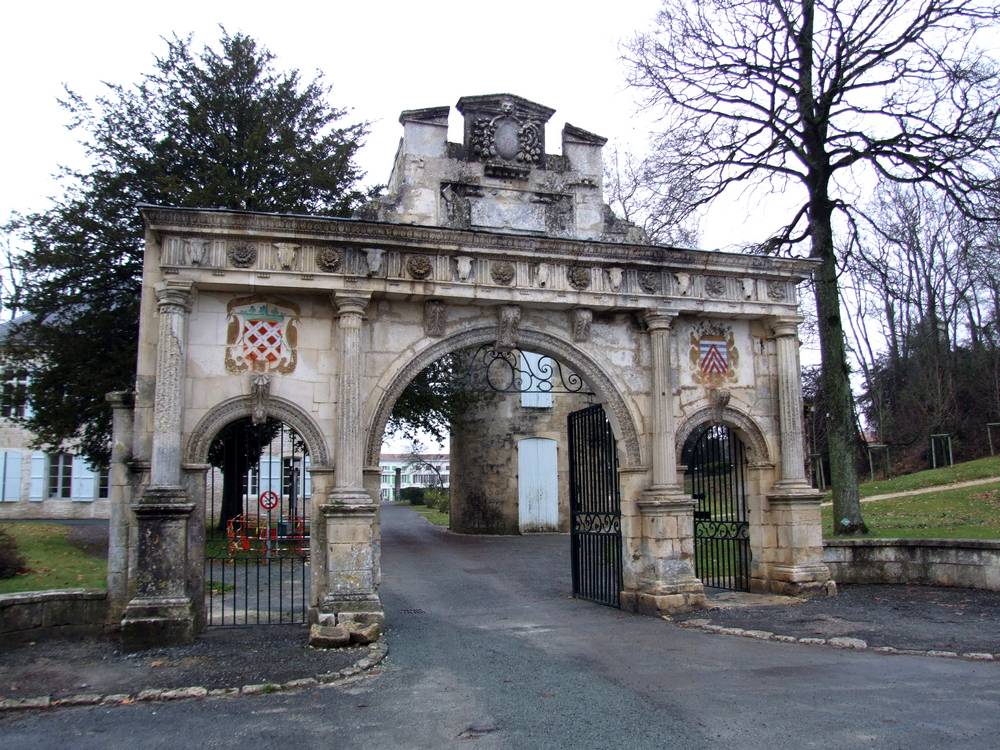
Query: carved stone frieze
<point x="615" y="278"/>
<point x="748" y="287"/>
<point x="542" y="274"/>
<point x="683" y="283"/>
<point x="435" y="318"/>
<point x="582" y="321"/>
<point x="463" y="265"/>
<point x="508" y="323"/>
<point x="287" y="253"/>
<point x="502" y="272"/>
<point x="579" y="277"/>
<point x="243" y="255"/>
<point x="419" y="266"/>
<point x="776" y="291"/>
<point x="649" y="282"/>
<point x="329" y="259"/>
<point x="196" y="251"/>
<point x="373" y="259"/>
<point x="715" y="286"/>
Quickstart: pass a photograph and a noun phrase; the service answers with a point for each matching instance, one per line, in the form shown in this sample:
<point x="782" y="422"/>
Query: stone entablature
<point x="379" y="258"/>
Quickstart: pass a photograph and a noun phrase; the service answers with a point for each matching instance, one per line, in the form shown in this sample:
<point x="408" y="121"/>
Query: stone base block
<point x="664" y="604"/>
<point x="328" y="636"/>
<point x="150" y="623"/>
<point x="795" y="580"/>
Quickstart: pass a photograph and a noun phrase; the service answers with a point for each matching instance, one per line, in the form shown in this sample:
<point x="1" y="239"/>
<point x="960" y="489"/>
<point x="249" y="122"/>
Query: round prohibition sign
<point x="268" y="500"/>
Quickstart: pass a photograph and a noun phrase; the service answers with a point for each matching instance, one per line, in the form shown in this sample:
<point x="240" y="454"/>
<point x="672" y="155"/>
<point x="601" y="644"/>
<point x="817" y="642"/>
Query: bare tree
<point x="655" y="207"/>
<point x="816" y="96"/>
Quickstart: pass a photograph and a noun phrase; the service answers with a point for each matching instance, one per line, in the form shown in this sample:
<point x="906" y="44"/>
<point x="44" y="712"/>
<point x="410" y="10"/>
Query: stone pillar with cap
<point x="667" y="581"/>
<point x="793" y="556"/>
<point x="350" y="583"/>
<point x="160" y="611"/>
<point x="118" y="502"/>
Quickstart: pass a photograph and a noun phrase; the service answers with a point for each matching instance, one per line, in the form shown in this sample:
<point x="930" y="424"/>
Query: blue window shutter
<point x="11" y="475"/>
<point x="83" y="480"/>
<point x="38" y="465"/>
<point x="308" y="482"/>
<point x="531" y="362"/>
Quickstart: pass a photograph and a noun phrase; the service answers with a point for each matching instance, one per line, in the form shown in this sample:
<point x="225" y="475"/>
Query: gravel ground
<point x="222" y="657"/>
<point x="917" y="617"/>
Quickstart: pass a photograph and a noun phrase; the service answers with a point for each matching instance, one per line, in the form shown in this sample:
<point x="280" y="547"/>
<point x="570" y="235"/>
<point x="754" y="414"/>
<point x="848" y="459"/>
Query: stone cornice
<point x="165" y="220"/>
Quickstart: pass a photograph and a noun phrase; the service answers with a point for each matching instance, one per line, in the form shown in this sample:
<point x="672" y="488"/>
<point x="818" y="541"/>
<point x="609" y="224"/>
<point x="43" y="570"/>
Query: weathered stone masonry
<point x="487" y="241"/>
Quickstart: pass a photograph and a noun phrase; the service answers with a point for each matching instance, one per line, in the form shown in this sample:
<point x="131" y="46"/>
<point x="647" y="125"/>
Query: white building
<point x="414" y="470"/>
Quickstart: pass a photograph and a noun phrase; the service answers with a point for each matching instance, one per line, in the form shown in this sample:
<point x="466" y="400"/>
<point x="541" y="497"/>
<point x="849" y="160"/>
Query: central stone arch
<point x="393" y="385"/>
<point x="745" y="427"/>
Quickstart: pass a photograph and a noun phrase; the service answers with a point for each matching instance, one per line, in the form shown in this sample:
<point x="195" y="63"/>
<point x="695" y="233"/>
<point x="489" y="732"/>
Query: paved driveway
<point x="487" y="648"/>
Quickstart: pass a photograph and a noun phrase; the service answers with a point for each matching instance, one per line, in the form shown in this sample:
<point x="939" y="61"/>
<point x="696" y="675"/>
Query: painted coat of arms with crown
<point x="261" y="336"/>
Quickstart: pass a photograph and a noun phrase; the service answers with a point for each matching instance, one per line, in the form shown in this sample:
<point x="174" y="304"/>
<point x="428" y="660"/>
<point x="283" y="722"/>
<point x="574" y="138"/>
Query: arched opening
<point x="716" y="477"/>
<point x="257" y="524"/>
<point x="515" y="464"/>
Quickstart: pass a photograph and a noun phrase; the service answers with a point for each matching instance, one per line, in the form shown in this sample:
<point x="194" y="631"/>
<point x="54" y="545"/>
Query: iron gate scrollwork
<point x="515" y="371"/>
<point x="716" y="478"/>
<point x="595" y="507"/>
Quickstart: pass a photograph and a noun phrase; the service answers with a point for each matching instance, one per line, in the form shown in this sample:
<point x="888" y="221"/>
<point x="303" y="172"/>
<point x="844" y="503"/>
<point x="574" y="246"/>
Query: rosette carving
<point x="715" y="286"/>
<point x="502" y="272"/>
<point x="579" y="277"/>
<point x="419" y="266"/>
<point x="649" y="282"/>
<point x="329" y="259"/>
<point x="243" y="255"/>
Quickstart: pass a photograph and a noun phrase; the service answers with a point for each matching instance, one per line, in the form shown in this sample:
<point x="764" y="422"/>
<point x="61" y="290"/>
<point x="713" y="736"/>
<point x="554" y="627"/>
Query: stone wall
<point x="484" y="461"/>
<point x="930" y="562"/>
<point x="62" y="612"/>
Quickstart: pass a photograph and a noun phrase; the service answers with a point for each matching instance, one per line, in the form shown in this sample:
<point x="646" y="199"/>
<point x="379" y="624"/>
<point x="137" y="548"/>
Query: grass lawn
<point x="53" y="562"/>
<point x="981" y="468"/>
<point x="969" y="513"/>
<point x="436" y="517"/>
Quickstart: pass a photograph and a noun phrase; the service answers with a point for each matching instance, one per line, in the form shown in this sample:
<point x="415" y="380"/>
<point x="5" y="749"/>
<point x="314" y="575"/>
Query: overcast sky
<point x="380" y="57"/>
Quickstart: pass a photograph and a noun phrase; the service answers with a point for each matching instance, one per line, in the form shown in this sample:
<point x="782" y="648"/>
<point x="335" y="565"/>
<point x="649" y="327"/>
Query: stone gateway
<point x="321" y="324"/>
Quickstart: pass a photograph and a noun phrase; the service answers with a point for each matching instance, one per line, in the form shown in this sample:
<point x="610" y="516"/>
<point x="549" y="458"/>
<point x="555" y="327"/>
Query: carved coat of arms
<point x="713" y="355"/>
<point x="261" y="336"/>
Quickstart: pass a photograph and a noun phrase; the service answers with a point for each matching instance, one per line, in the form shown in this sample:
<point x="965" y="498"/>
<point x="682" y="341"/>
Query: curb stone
<point x="843" y="643"/>
<point x="379" y="650"/>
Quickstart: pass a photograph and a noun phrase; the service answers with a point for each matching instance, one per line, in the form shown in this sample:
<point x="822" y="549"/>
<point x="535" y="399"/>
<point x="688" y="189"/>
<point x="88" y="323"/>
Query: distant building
<point x="415" y="470"/>
<point x="39" y="484"/>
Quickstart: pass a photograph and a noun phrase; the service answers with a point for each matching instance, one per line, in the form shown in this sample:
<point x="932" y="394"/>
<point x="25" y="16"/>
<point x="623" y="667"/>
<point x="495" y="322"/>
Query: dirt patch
<point x="222" y="657"/>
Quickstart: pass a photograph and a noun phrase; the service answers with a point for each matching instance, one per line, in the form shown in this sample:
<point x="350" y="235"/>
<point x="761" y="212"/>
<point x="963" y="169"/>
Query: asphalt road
<point x="487" y="647"/>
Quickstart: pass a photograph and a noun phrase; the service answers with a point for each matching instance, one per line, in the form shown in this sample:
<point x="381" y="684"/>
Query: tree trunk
<point x="841" y="427"/>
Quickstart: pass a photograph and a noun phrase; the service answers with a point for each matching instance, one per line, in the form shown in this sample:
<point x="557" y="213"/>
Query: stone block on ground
<point x="329" y="636"/>
<point x="365" y="634"/>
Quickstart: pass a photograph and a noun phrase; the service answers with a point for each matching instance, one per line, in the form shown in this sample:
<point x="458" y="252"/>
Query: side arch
<point x="618" y="412"/>
<point x="235" y="408"/>
<point x="745" y="426"/>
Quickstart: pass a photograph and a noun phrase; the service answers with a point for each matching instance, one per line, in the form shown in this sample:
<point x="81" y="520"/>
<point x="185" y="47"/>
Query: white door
<point x="537" y="485"/>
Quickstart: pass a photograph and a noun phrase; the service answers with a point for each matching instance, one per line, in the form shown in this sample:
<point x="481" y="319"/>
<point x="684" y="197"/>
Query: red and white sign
<point x="269" y="500"/>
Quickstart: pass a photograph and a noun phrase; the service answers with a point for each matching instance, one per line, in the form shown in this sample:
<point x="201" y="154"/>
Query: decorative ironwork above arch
<point x="511" y="371"/>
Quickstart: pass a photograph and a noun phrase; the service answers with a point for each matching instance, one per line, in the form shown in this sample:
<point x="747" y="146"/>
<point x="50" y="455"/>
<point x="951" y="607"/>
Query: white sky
<point x="381" y="57"/>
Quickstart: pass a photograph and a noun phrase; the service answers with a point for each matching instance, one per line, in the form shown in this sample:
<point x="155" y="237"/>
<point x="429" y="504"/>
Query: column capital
<point x="785" y="326"/>
<point x="659" y="319"/>
<point x="350" y="303"/>
<point x="174" y="293"/>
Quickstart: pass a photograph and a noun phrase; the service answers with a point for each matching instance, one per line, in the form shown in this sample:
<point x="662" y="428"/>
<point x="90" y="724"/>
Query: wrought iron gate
<point x="257" y="526"/>
<point x="595" y="507"/>
<point x="715" y="477"/>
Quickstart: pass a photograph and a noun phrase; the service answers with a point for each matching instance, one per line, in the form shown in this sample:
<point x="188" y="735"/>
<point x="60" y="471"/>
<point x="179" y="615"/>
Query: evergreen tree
<point x="222" y="127"/>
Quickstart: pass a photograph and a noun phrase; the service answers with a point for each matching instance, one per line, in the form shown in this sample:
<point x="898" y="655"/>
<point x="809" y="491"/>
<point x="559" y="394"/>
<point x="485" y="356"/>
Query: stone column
<point x="668" y="582"/>
<point x="794" y="564"/>
<point x="160" y="612"/>
<point x="349" y="594"/>
<point x="119" y="496"/>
